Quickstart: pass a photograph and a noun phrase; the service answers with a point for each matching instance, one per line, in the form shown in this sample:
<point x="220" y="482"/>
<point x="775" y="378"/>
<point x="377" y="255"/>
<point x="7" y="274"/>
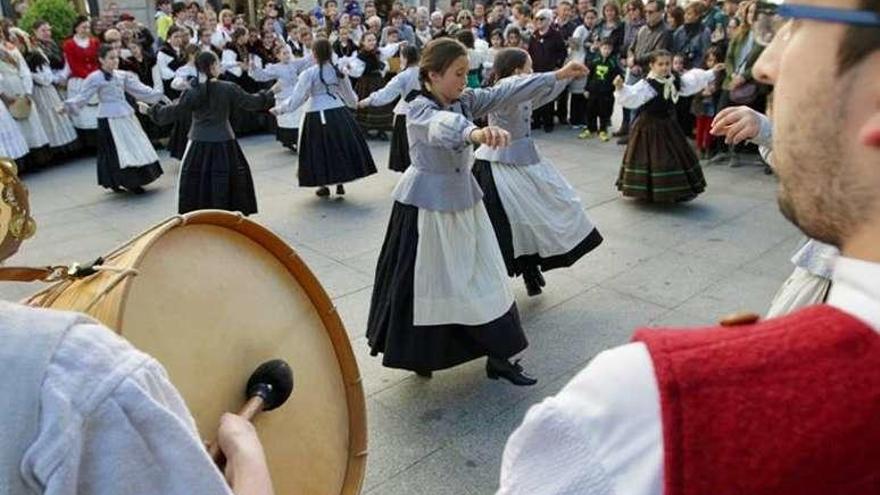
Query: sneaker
<point x="603" y="136"/>
<point x="585" y="135"/>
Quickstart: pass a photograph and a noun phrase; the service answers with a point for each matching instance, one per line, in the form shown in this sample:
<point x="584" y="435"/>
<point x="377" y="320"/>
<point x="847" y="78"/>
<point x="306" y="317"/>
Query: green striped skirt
<point x="659" y="165"/>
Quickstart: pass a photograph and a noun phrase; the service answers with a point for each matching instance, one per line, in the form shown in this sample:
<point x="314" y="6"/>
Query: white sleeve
<point x="695" y="80"/>
<point x="229" y="63"/>
<point x="111" y="423"/>
<point x="390" y="91"/>
<point x="600" y="435"/>
<point x="163" y="61"/>
<point x="25" y="72"/>
<point x="635" y="95"/>
<point x="388" y="50"/>
<point x="300" y="93"/>
<point x="44" y="76"/>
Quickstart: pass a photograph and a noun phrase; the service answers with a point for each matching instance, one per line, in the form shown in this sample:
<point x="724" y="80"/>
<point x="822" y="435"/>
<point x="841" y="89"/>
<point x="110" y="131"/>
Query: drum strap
<point x="49" y="273"/>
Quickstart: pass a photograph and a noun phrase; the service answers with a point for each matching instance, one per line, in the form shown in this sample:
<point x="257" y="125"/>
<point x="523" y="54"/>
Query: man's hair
<point x="661" y="4"/>
<point x="859" y="42"/>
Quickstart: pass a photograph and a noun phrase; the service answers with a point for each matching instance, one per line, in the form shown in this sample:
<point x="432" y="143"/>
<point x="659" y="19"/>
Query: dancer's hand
<point x="572" y="70"/>
<point x="276" y="111"/>
<point x="618" y="83"/>
<point x="491" y="136"/>
<point x="143" y="108"/>
<point x="719" y="68"/>
<point x="736" y="124"/>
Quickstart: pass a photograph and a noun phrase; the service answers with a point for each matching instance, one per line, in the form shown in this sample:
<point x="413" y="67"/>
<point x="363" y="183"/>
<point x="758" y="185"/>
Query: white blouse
<point x="636" y="95"/>
<point x="111" y="422"/>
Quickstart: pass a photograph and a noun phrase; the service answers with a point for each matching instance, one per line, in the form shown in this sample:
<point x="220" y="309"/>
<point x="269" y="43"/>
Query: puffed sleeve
<point x="635" y="95"/>
<point x="111" y="422"/>
<point x="229" y="63"/>
<point x="137" y="89"/>
<point x="550" y="94"/>
<point x="695" y="80"/>
<point x="600" y="435"/>
<point x="481" y="101"/>
<point x="390" y="91"/>
<point x="443" y="128"/>
<point x="300" y="93"/>
<point x="91" y="85"/>
<point x="163" y="61"/>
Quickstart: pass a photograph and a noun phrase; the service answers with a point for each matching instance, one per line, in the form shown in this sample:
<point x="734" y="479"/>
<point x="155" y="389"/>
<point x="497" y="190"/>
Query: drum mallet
<point x="268" y="388"/>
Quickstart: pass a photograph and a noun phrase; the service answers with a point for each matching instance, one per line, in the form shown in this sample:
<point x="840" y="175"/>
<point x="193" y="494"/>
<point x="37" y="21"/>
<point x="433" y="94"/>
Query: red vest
<point x="82" y="61"/>
<point x="789" y="406"/>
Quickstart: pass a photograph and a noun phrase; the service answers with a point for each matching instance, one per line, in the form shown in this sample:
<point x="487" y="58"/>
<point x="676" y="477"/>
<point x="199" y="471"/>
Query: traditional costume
<point x="286" y="75"/>
<point x="537" y="216"/>
<point x="214" y="172"/>
<point x="441" y="295"/>
<point x="788" y="406"/>
<point x="58" y="127"/>
<point x="179" y="138"/>
<point x="402" y="87"/>
<point x="370" y="73"/>
<point x="17" y="86"/>
<point x="332" y="149"/>
<point x="126" y="158"/>
<point x="243" y="122"/>
<point x="659" y="165"/>
<point x="12" y="143"/>
<point x="82" y="59"/>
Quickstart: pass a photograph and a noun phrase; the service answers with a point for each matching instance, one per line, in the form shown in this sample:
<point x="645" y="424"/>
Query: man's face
<point x="582" y="6"/>
<point x="563" y="10"/>
<point x="829" y="179"/>
<point x="479" y="10"/>
<point x="653" y="15"/>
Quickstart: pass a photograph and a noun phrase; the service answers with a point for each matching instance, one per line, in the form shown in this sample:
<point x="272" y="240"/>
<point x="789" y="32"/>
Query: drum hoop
<point x="297" y="268"/>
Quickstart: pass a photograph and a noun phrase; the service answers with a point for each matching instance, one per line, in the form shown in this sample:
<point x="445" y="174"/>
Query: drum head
<point x="218" y="296"/>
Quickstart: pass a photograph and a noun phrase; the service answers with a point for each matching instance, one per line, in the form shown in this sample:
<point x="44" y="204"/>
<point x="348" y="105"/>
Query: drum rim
<point x="299" y="270"/>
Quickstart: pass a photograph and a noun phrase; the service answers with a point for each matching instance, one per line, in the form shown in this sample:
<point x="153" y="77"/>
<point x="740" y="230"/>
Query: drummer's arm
<point x="246" y="470"/>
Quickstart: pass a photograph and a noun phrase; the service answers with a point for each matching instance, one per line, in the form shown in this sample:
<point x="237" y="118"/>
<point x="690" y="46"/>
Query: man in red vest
<point x="788" y="406"/>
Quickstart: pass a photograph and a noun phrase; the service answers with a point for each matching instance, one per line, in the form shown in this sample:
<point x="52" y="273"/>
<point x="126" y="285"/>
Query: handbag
<point x="20" y="109"/>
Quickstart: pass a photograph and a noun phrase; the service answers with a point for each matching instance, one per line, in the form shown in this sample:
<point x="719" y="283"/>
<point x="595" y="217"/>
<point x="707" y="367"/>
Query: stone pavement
<point x="683" y="264"/>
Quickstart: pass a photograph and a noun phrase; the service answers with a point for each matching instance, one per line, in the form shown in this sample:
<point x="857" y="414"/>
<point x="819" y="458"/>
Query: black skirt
<point x="332" y="152"/>
<point x="179" y="135"/>
<point x="110" y="175"/>
<point x="517" y="265"/>
<point x="216" y="175"/>
<point x="390" y="328"/>
<point x="287" y="137"/>
<point x="398" y="158"/>
<point x="374" y="118"/>
<point x="659" y="164"/>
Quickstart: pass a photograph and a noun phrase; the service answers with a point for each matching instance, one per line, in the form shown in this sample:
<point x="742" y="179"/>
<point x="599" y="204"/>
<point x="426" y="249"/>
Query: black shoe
<point x="137" y="190"/>
<point x="768" y="170"/>
<point x="424" y="374"/>
<point x="540" y="278"/>
<point x="323" y="191"/>
<point x="512" y="372"/>
<point x="117" y="189"/>
<point x="532" y="278"/>
<point x="340" y="190"/>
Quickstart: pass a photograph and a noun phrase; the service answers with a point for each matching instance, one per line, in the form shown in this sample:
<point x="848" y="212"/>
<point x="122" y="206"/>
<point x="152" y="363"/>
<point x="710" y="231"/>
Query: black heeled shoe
<point x="512" y="372"/>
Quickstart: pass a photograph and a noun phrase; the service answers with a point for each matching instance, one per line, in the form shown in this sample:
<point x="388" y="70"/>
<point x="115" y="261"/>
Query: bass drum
<point x="212" y="295"/>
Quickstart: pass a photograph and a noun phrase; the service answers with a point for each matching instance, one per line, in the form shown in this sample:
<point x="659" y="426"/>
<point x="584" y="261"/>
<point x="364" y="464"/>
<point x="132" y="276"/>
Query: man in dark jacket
<point x="548" y="50"/>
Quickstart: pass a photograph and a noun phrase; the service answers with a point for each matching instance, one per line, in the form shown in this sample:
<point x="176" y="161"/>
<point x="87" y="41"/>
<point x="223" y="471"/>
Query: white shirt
<point x="602" y="434"/>
<point x="111" y="423"/>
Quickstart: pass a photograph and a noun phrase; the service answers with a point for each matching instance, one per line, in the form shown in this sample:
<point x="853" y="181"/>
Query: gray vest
<point x="28" y="339"/>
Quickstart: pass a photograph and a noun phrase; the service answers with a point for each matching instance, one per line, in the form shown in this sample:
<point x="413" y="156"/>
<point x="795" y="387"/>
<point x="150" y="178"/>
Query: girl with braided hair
<point x="332" y="148"/>
<point x="214" y="172"/>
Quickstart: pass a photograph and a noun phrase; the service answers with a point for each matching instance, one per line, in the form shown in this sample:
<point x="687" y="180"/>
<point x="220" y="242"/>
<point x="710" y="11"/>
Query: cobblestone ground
<point x="674" y="265"/>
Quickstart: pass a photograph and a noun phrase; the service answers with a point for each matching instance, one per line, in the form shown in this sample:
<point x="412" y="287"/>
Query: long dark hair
<point x="411" y="54"/>
<point x="204" y="62"/>
<point x="507" y="61"/>
<point x="322" y="50"/>
<point x="79" y="20"/>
